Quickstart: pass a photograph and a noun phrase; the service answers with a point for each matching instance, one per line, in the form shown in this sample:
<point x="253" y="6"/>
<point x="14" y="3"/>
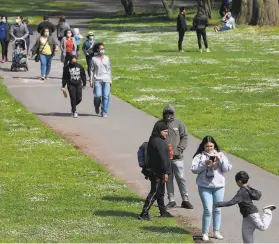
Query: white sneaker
<point x="217" y="235"/>
<point x="75" y="115"/>
<point x="200" y="50"/>
<point x="270" y="207"/>
<point x="205" y="237"/>
<point x="207" y="50"/>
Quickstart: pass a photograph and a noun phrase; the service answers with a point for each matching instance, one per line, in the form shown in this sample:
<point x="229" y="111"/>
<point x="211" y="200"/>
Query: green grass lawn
<point x="50" y="192"/>
<point x="230" y="93"/>
<point x="33" y="10"/>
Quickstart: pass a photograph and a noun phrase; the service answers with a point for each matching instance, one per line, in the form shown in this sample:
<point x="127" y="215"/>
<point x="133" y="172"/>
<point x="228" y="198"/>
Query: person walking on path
<point x="30" y="34"/>
<point x="200" y="23"/>
<point x="210" y="165"/>
<point x="101" y="77"/>
<point x="45" y="45"/>
<point x="251" y="216"/>
<point x="4" y="37"/>
<point x="159" y="162"/>
<point x="78" y="38"/>
<point x="62" y="27"/>
<point x="75" y="78"/>
<point x="87" y="49"/>
<point x="68" y="47"/>
<point x="178" y="138"/>
<point x="181" y="26"/>
<point x="46" y="24"/>
<point x="19" y="30"/>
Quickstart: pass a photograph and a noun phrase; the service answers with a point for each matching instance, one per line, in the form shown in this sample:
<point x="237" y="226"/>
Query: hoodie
<point x="244" y="198"/>
<point x="73" y="74"/>
<point x="181" y="24"/>
<point x="178" y="135"/>
<point x="200" y="21"/>
<point x="158" y="151"/>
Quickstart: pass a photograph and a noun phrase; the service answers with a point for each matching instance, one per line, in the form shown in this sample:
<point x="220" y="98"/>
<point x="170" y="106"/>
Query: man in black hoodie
<point x="75" y="78"/>
<point x="45" y="24"/>
<point x="159" y="163"/>
<point x="181" y="26"/>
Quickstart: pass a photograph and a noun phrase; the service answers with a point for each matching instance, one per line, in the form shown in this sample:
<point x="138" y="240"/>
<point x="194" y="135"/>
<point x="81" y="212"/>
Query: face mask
<point x="69" y="35"/>
<point x="3" y="21"/>
<point x="91" y="38"/>
<point x="102" y="52"/>
<point x="17" y="21"/>
<point x="46" y="33"/>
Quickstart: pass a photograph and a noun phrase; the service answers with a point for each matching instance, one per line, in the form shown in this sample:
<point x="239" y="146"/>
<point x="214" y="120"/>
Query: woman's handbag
<point x="37" y="57"/>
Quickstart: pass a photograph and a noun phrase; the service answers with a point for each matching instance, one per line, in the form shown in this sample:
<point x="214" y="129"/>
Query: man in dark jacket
<point x="159" y="163"/>
<point x="200" y="23"/>
<point x="75" y="78"/>
<point x="46" y="24"/>
<point x="178" y="138"/>
<point x="181" y="27"/>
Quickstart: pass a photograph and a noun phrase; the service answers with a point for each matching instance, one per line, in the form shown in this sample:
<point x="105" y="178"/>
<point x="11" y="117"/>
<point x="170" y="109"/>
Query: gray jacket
<point x="63" y="48"/>
<point x="217" y="179"/>
<point x="178" y="135"/>
<point x="100" y="70"/>
<point x="19" y="31"/>
<point x="61" y="28"/>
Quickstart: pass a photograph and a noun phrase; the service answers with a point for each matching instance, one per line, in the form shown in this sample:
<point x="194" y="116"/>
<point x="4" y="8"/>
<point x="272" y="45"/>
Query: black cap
<point x="182" y="9"/>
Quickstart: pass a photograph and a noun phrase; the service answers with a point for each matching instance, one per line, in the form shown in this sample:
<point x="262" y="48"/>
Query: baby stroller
<point x="19" y="55"/>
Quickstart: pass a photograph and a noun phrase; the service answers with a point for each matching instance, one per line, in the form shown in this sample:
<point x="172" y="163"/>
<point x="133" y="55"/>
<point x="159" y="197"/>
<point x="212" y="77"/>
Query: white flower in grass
<point x="146" y="98"/>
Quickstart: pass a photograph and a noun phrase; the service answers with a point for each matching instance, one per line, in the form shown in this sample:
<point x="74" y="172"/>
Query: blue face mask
<point x="102" y="52"/>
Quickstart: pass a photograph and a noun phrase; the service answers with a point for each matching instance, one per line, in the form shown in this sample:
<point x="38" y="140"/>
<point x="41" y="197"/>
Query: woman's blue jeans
<point x="45" y="64"/>
<point x="210" y="196"/>
<point x="102" y="95"/>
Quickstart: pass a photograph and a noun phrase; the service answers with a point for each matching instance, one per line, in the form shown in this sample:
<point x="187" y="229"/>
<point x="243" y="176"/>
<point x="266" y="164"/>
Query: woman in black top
<point x="159" y="163"/>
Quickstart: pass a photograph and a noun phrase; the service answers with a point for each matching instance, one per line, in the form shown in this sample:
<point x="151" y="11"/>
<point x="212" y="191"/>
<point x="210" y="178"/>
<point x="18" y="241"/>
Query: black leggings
<point x="202" y="33"/>
<point x="88" y="61"/>
<point x="181" y="34"/>
<point x="68" y="58"/>
<point x="4" y="46"/>
<point x="75" y="93"/>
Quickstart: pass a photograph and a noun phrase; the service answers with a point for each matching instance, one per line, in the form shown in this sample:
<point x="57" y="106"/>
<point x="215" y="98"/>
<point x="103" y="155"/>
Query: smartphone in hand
<point x="212" y="158"/>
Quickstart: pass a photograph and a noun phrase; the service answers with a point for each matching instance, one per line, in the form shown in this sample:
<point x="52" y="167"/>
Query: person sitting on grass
<point x="228" y="21"/>
<point x="251" y="216"/>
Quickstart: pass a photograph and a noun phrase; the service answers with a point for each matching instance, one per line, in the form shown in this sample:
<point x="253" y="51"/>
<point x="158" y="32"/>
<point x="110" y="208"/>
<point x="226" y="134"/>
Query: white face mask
<point x="69" y="35"/>
<point x="46" y="33"/>
<point x="17" y="21"/>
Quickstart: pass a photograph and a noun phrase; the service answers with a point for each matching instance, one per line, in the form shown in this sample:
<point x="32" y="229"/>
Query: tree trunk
<point x="128" y="7"/>
<point x="172" y="4"/>
<point x="256" y="12"/>
<point x="207" y="5"/>
<point x="168" y="8"/>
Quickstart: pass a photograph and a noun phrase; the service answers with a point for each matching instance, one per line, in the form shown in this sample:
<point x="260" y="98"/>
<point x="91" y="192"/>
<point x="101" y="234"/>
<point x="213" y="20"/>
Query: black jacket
<point x="158" y="153"/>
<point x="73" y="74"/>
<point x="46" y="24"/>
<point x="200" y="21"/>
<point x="244" y="198"/>
<point x="181" y="23"/>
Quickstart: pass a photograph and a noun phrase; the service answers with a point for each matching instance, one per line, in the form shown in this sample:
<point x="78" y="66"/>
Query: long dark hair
<point x="43" y="31"/>
<point x="205" y="140"/>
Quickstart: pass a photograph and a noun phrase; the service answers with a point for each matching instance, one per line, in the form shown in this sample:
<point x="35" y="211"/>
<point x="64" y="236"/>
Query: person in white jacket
<point x="210" y="165"/>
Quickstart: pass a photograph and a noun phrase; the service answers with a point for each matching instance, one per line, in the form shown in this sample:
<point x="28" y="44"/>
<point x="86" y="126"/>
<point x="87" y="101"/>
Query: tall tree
<point x="129" y="6"/>
<point x="256" y="12"/>
<point x="208" y="7"/>
<point x="168" y="5"/>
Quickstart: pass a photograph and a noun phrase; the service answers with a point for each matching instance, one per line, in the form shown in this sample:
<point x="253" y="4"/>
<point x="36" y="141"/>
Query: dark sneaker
<point x="187" y="205"/>
<point x="144" y="216"/>
<point x="171" y="204"/>
<point x="166" y="215"/>
<point x="97" y="110"/>
<point x="270" y="207"/>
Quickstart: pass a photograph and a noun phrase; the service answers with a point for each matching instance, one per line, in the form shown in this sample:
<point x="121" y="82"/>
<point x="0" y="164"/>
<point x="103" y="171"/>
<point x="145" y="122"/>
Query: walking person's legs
<point x="97" y="92"/>
<point x="6" y="50"/>
<point x="199" y="39"/>
<point x="68" y="58"/>
<point x="3" y="48"/>
<point x="218" y="196"/>
<point x="203" y="33"/>
<point x="180" y="39"/>
<point x="206" y="196"/>
<point x="73" y="97"/>
<point x="43" y="60"/>
<point x="105" y="98"/>
<point x="170" y="189"/>
<point x="48" y="65"/>
<point x="78" y="95"/>
<point x="88" y="61"/>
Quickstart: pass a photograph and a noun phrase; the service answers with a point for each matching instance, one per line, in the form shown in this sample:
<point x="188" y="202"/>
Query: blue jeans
<point x="224" y="28"/>
<point x="45" y="64"/>
<point x="102" y="95"/>
<point x="209" y="196"/>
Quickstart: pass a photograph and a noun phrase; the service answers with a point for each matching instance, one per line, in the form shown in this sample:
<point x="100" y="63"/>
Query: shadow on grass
<point x="115" y="213"/>
<point x="164" y="229"/>
<point x="122" y="199"/>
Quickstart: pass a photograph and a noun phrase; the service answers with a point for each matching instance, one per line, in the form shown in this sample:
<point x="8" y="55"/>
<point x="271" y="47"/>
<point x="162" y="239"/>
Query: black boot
<point x="144" y="216"/>
<point x="163" y="212"/>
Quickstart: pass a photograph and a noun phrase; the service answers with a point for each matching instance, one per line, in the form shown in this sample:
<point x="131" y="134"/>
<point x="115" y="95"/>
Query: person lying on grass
<point x="251" y="216"/>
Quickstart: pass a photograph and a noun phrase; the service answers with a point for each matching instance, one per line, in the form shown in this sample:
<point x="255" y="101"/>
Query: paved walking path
<point x="114" y="142"/>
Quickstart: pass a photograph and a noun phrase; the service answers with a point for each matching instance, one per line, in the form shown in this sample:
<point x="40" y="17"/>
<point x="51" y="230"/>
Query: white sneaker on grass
<point x="217" y="235"/>
<point x="200" y="50"/>
<point x="205" y="237"/>
<point x="207" y="50"/>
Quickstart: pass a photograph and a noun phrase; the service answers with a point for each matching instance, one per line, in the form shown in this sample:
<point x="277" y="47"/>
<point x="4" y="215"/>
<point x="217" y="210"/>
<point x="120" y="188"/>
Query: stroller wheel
<point x="26" y="67"/>
<point x="12" y="68"/>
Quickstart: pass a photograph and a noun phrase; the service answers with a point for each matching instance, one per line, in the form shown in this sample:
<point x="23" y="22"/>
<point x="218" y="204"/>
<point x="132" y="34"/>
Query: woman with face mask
<point x="68" y="47"/>
<point x="4" y="37"/>
<point x="46" y="45"/>
<point x="87" y="48"/>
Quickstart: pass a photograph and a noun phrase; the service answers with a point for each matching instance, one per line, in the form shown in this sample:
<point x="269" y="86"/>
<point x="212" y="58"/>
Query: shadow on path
<point x="58" y="114"/>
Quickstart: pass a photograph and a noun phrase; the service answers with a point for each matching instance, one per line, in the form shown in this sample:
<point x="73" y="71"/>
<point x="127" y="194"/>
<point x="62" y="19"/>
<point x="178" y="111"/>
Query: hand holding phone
<point x="212" y="158"/>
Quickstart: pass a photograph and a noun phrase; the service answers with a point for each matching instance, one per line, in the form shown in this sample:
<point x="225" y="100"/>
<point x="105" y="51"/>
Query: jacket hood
<point x="168" y="108"/>
<point x="158" y="127"/>
<point x="254" y="194"/>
